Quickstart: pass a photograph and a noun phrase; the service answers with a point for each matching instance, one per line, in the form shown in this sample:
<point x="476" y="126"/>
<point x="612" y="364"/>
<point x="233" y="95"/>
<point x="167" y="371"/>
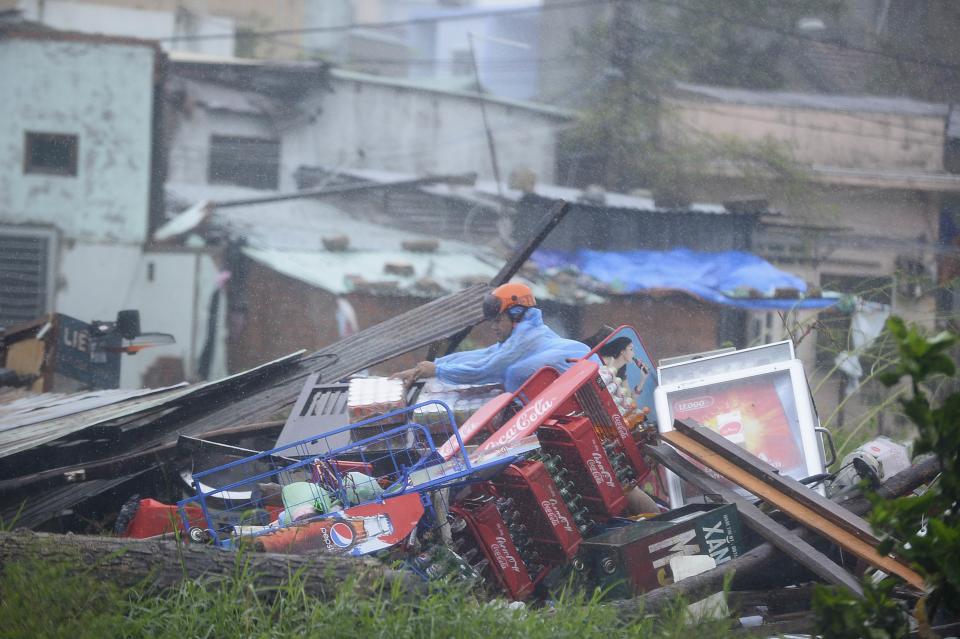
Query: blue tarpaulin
<point x="723" y="278"/>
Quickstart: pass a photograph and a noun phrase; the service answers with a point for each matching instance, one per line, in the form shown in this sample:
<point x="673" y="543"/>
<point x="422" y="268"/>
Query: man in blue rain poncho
<point x="524" y="345"/>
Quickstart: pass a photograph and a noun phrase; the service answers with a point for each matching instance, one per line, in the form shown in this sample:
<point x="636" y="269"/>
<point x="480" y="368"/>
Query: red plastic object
<point x="491" y="535"/>
<point x="156" y="518"/>
<point x="559" y="398"/>
<point x="582" y="455"/>
<point x="483" y="420"/>
<point x="549" y="520"/>
<point x="480" y="421"/>
<point x="610" y="425"/>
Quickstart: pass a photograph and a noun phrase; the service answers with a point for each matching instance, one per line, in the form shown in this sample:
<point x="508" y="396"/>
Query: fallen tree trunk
<point x="165" y="563"/>
<point x="750" y="569"/>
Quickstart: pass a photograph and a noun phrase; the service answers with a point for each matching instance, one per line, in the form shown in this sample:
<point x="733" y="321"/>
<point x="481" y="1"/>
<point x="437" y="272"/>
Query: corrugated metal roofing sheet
<point x="28" y="433"/>
<point x="216" y="97"/>
<point x="484" y="192"/>
<point x="42" y="407"/>
<point x="298" y="225"/>
<point x="288" y="237"/>
<point x="333" y="270"/>
<point x="33" y="513"/>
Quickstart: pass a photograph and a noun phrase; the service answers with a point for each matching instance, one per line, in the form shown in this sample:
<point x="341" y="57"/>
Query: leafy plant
<point x="876" y="616"/>
<point x="923" y="530"/>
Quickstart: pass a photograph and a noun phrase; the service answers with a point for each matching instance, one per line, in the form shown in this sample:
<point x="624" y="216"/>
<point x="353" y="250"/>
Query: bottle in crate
<point x="490" y="534"/>
<point x="591" y="475"/>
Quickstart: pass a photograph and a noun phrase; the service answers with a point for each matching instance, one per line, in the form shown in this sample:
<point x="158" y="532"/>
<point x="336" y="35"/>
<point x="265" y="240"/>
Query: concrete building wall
<point x="160" y="19"/>
<point x="189" y="153"/>
<point x="367" y="124"/>
<point x="845" y="139"/>
<point x="135" y="22"/>
<point x="100" y="92"/>
<point x="170" y="289"/>
<point x="866" y="230"/>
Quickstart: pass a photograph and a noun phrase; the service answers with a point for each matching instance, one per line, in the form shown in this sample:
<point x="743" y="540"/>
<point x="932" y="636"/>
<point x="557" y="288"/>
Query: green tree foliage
<point x="630" y="60"/>
<point x="923" y="530"/>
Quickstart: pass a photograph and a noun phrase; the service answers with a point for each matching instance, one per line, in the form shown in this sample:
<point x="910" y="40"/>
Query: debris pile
<point x="534" y="492"/>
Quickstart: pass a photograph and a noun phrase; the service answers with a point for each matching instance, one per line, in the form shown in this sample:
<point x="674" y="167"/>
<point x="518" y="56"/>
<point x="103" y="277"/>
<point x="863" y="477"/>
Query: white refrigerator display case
<point x="757" y="398"/>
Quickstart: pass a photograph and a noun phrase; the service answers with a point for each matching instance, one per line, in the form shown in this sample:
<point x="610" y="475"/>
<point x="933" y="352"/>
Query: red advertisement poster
<point x="749" y="413"/>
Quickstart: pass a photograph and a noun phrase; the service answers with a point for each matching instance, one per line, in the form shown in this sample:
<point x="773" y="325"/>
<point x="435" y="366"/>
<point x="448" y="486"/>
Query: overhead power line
<point x="717" y="12"/>
<point x="391" y="24"/>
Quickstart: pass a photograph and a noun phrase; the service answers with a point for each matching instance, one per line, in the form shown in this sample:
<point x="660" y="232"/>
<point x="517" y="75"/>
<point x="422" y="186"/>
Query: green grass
<point x="39" y="600"/>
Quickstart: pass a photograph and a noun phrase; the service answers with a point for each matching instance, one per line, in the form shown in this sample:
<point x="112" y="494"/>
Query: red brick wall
<point x="669" y="325"/>
<point x="284" y="315"/>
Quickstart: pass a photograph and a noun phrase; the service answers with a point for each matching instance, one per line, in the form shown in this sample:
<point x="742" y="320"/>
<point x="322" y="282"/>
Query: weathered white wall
<point x="366" y="123"/>
<point x="189" y="153"/>
<point x="101" y="92"/>
<point x="133" y="22"/>
<point x="97" y="280"/>
<point x="833" y="138"/>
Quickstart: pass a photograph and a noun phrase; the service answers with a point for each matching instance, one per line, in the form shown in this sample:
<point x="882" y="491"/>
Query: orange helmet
<point x="505" y="297"/>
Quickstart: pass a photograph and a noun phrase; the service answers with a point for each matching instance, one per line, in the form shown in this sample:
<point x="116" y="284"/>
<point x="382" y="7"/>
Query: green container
<point x="304" y="498"/>
<point x="635" y="558"/>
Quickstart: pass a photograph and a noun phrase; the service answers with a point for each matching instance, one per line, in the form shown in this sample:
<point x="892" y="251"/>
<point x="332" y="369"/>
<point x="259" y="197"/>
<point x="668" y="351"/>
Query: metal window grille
<point x="250" y="162"/>
<point x="26" y="274"/>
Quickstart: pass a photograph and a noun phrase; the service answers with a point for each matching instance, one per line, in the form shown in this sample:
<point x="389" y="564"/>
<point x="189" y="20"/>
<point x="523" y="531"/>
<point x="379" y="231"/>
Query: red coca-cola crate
<point x="576" y="442"/>
<point x="490" y="533"/>
<point x="549" y="521"/>
<point x="598" y="404"/>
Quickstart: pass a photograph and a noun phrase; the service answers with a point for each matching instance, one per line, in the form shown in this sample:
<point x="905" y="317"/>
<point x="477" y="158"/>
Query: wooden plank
<point x="800" y="512"/>
<point x="26" y="358"/>
<point x="768" y="474"/>
<point x="778" y="535"/>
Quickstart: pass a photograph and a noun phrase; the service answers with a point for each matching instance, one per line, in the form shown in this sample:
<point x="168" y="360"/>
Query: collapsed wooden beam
<point x="763" y="565"/>
<point x="814" y="511"/>
<point x="780" y="536"/>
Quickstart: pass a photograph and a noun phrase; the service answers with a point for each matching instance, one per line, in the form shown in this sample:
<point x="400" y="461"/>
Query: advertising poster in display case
<point x="766" y="410"/>
<point x="752" y="413"/>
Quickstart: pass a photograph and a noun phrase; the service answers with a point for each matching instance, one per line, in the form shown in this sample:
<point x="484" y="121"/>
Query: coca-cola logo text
<point x="504" y="559"/>
<point x="526" y="420"/>
<point x="600" y="474"/>
<point x="553" y="514"/>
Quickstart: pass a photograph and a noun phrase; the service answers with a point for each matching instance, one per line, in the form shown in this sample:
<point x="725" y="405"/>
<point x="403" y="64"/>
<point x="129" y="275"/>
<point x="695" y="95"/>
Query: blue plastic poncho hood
<point x="531" y="346"/>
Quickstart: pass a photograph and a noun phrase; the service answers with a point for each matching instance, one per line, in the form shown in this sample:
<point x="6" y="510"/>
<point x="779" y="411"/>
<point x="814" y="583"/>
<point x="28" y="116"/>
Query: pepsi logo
<point x="341" y="535"/>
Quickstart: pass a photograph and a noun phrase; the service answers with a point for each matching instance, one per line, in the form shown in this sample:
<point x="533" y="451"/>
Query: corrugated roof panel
<point x="332" y="270"/>
<point x="29" y="434"/>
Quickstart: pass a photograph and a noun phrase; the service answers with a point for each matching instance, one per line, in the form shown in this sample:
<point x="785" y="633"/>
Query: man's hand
<point x="423" y="369"/>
